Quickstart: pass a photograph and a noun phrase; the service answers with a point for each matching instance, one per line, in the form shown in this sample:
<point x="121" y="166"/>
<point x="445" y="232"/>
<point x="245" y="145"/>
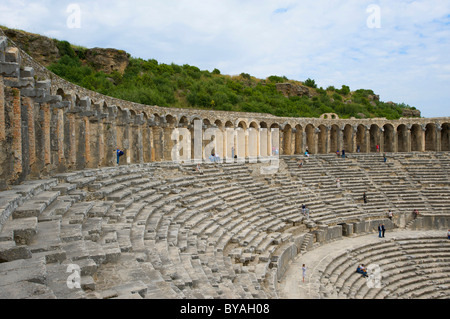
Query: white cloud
<point x="406" y="60"/>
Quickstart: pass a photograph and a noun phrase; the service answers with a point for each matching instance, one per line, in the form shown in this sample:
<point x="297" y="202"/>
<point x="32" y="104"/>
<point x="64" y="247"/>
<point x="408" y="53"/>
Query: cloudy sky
<point x="400" y="49"/>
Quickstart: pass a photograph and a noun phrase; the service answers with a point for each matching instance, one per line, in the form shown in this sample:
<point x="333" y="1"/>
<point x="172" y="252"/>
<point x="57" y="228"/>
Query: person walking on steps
<point x="365" y="198"/>
<point x="379" y="230"/>
<point x="304" y="272"/>
<point x="383" y="229"/>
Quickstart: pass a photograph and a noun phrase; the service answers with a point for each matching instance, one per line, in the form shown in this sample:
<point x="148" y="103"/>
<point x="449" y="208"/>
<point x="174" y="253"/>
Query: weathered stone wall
<point x="48" y="125"/>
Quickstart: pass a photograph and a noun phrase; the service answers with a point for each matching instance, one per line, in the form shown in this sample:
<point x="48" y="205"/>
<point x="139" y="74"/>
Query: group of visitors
<point x="214" y="158"/>
<point x="361" y="269"/>
<point x="381" y="230"/>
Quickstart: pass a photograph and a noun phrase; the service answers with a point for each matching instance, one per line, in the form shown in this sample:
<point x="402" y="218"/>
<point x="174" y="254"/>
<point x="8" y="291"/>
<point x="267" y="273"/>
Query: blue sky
<point x="399" y="49"/>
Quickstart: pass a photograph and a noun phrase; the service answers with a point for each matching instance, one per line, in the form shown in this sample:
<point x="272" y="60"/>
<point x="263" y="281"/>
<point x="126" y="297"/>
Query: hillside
<point x="115" y="73"/>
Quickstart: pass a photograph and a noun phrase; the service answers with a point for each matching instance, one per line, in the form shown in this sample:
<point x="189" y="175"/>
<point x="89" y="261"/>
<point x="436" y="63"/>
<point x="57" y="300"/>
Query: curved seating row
<point x="163" y="230"/>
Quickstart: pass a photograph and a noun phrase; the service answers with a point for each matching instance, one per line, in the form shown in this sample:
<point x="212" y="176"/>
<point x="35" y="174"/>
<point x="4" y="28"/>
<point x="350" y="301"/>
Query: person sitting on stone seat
<point x="359" y="269"/>
<point x="362" y="270"/>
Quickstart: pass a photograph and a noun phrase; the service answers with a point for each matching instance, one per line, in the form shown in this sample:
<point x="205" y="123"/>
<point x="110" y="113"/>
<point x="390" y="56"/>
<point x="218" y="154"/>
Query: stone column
<point x="129" y="142"/>
<point x="340" y="140"/>
<point x="146" y="152"/>
<point x="438" y="137"/>
<point x="139" y="139"/>
<point x="381" y="139"/>
<point x="158" y="141"/>
<point x="101" y="143"/>
<point x="2" y="111"/>
<point x="152" y="143"/>
<point x="367" y="139"/>
<point x="408" y="138"/>
<point x="327" y="139"/>
<point x="293" y="139"/>
<point x="315" y="147"/>
<point x="29" y="104"/>
<point x="46" y="132"/>
<point x="87" y="140"/>
<point x="423" y="129"/>
<point x="17" y="132"/>
<point x="72" y="139"/>
<point x="395" y="140"/>
<point x="304" y="141"/>
<point x="60" y="135"/>
<point x="354" y="138"/>
<point x="111" y="136"/>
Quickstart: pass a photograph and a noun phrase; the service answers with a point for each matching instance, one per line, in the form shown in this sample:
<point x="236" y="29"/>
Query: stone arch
<point x="335" y="138"/>
<point x="263" y="124"/>
<point x="170" y="119"/>
<point x="445" y="137"/>
<point x="219" y="124"/>
<point x="402" y="138"/>
<point x="361" y="138"/>
<point x="416" y="138"/>
<point x="348" y="138"/>
<point x="275" y="125"/>
<point x="287" y="139"/>
<point x="310" y="131"/>
<point x="322" y="140"/>
<point x="206" y="122"/>
<point x="431" y="137"/>
<point x="389" y="138"/>
<point x="329" y="116"/>
<point x="242" y="124"/>
<point x="254" y="124"/>
<point x="184" y="122"/>
<point x="158" y="139"/>
<point x="229" y="124"/>
<point x="61" y="93"/>
<point x="374" y="132"/>
<point x="298" y="139"/>
<point x="193" y="118"/>
<point x="146" y="140"/>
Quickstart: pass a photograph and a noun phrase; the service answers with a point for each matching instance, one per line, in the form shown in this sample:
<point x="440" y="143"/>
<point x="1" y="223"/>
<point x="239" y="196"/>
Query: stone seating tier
<point x="164" y="230"/>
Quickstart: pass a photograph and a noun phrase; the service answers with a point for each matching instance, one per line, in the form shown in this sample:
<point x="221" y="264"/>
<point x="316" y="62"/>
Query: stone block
<point x="46" y="85"/>
<point x="9" y="251"/>
<point x="29" y="270"/>
<point x="9" y="69"/>
<point x="12" y="54"/>
<point x="137" y="287"/>
<point x="3" y="46"/>
<point x="29" y="209"/>
<point x="27" y="72"/>
<point x="26" y="290"/>
<point x="23" y="229"/>
<point x="87" y="283"/>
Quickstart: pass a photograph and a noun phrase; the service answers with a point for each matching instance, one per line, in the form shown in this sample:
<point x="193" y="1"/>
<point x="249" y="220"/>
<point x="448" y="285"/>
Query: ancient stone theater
<point x="75" y="223"/>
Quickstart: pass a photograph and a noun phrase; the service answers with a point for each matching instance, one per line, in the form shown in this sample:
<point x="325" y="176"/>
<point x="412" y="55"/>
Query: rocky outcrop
<point x="410" y="113"/>
<point x="107" y="60"/>
<point x="288" y="90"/>
<point x="42" y="49"/>
<point x="45" y="51"/>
